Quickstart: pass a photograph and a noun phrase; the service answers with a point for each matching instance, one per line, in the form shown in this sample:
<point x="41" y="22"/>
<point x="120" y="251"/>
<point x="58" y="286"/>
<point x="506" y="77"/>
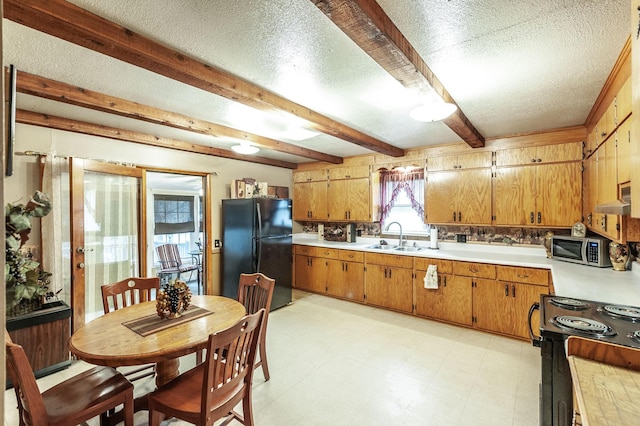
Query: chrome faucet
<point x="397" y="223"/>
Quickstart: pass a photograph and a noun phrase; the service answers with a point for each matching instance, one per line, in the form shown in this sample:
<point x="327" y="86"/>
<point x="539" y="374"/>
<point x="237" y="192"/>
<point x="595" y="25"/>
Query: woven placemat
<point x="153" y="323"/>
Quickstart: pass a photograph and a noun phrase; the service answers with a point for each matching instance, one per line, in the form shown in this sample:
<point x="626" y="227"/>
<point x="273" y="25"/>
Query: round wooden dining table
<point x="107" y="341"/>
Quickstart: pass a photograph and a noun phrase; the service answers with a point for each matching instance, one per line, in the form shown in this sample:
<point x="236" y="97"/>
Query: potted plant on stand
<point x="41" y="328"/>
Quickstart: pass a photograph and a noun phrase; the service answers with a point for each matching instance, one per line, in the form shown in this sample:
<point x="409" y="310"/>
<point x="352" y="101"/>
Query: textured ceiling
<point x="512" y="66"/>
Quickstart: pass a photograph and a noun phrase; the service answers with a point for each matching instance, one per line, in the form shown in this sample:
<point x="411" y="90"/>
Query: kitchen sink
<point x="382" y="247"/>
<point x="408" y="248"/>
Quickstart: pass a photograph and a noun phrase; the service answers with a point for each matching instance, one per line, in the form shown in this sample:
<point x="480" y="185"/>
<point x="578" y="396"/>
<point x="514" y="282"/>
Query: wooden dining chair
<point x="255" y="292"/>
<point x="74" y="401"/>
<point x="213" y="388"/>
<point x="127" y="292"/>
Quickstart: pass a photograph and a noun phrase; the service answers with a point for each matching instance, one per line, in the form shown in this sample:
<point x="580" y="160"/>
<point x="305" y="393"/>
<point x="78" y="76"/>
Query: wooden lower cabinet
<point x="450" y="302"/>
<point x="311" y="273"/>
<point x="389" y="287"/>
<point x="503" y="307"/>
<point x="345" y="278"/>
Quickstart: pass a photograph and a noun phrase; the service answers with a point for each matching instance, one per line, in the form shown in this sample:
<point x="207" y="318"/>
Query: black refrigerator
<point x="256" y="237"/>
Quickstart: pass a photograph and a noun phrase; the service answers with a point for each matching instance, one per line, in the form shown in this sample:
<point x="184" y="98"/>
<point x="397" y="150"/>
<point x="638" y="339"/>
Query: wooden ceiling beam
<point x="57" y="91"/>
<point x="71" y="23"/>
<point x="59" y="123"/>
<point x="369" y="27"/>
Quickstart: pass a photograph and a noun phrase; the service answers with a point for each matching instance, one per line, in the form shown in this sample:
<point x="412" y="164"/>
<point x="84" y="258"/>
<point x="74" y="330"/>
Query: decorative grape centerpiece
<point x="173" y="299"/>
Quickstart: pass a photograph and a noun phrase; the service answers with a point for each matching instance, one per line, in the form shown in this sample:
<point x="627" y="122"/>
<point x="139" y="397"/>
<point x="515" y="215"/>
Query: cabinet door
<point x="400" y="289"/>
<point x="623" y="152"/>
<point x="608" y="188"/>
<point x="473" y="196"/>
<point x="346" y="280"/>
<point x="338" y="200"/>
<point x="440" y="197"/>
<point x="623" y="102"/>
<point x="376" y="285"/>
<point x="515" y="196"/>
<point x="318" y="200"/>
<point x="558" y="194"/>
<point x="523" y="296"/>
<point x="515" y="156"/>
<point x="492" y="306"/>
<point x="349" y="172"/>
<point x="590" y="189"/>
<point x="304" y="276"/>
<point x="458" y="296"/>
<point x="302" y="204"/>
<point x="311" y="274"/>
<point x="559" y="153"/>
<point x="359" y="200"/>
<point x="446" y="162"/>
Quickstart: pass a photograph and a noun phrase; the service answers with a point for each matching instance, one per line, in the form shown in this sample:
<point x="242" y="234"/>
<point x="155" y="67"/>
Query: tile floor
<point x="340" y="363"/>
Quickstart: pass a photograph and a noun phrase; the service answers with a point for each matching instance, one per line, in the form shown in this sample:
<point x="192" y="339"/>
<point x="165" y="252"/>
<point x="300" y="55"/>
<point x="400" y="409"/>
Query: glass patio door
<point x="107" y="231"/>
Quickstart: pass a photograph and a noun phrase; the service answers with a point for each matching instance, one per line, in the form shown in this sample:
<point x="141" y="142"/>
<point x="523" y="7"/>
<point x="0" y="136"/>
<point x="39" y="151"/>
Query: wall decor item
<point x="578" y="230"/>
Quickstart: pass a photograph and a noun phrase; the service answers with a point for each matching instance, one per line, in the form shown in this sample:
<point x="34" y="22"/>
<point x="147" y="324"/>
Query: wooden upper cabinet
<point x="310" y="201"/>
<point x="310" y="176"/>
<point x="623" y="151"/>
<point x="472" y="160"/>
<point x="350" y="199"/>
<point x="559" y="194"/>
<point x="462" y="197"/>
<point x="349" y="172"/>
<point x="539" y="154"/>
<point x="607" y="123"/>
<point x="623" y="102"/>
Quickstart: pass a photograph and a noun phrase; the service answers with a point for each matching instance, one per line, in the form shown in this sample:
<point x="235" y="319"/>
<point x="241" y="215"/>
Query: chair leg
<point x="155" y="417"/>
<point x="247" y="409"/>
<point x="263" y="356"/>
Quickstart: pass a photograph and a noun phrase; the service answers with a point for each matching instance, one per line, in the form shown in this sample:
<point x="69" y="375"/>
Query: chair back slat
<point x="129" y="291"/>
<point x="255" y="292"/>
<point x="30" y="403"/>
<point x="230" y="358"/>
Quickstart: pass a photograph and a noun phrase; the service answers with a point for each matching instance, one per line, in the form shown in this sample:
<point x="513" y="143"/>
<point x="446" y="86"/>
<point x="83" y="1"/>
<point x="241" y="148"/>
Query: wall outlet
<point x="216" y="243"/>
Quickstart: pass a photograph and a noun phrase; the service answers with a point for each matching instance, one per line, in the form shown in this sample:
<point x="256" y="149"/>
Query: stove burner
<point x="630" y="313"/>
<point x="567" y="303"/>
<point x="582" y="325"/>
<point x="635" y="336"/>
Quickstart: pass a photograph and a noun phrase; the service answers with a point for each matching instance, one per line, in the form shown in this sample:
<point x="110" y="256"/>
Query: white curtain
<point x="56" y="237"/>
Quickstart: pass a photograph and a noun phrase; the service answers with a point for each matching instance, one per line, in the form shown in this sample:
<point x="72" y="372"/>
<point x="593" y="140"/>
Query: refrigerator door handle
<point x="259" y="242"/>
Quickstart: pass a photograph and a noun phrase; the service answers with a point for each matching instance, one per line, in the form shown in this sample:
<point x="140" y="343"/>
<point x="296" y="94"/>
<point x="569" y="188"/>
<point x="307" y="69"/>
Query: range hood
<point x="620" y="207"/>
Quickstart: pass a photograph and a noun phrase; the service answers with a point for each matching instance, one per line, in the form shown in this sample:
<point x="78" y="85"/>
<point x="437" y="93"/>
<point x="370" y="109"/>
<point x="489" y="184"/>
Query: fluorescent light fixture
<point x="245" y="148"/>
<point x="433" y="111"/>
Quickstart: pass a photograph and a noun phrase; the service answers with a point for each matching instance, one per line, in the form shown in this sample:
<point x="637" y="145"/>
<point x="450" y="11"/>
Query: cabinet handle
<point x="531" y="217"/>
<point x="444" y="280"/>
<point x="347" y="176"/>
<point x="513" y="290"/>
<point x="603" y="222"/>
<point x="522" y="276"/>
<point x="533" y="160"/>
<point x="389" y="273"/>
<point x="454" y="216"/>
<point x="349" y="214"/>
<point x="459" y="216"/>
<point x="346" y="267"/>
<point x="539" y="218"/>
<point x="506" y="290"/>
<point x="539" y="160"/>
<point x="603" y="134"/>
<point x="385" y="272"/>
<point x="343" y="267"/>
<point x="346" y="215"/>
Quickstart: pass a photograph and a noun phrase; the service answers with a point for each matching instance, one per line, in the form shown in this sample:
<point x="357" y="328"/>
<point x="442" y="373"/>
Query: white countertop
<point x="569" y="280"/>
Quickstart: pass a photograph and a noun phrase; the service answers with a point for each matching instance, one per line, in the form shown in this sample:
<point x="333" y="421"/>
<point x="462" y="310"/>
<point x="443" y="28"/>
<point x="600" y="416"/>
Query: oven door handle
<point x="534" y="340"/>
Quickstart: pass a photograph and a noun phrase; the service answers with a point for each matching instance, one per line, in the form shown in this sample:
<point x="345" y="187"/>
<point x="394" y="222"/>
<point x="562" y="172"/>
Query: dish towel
<point x="431" y="277"/>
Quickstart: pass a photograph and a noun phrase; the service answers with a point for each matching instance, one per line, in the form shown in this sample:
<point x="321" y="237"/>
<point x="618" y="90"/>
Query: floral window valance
<point x="394" y="181"/>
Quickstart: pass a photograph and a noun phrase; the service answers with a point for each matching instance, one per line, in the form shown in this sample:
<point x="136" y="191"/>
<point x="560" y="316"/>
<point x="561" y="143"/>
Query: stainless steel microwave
<point x="592" y="251"/>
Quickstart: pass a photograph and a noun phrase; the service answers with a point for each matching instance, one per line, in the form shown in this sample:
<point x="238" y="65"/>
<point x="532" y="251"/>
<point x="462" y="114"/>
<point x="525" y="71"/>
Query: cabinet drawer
<point x="422" y="263"/>
<point x="523" y="275"/>
<point x="473" y="269"/>
<point x="390" y="260"/>
<point x="317" y="252"/>
<point x="351" y="256"/>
